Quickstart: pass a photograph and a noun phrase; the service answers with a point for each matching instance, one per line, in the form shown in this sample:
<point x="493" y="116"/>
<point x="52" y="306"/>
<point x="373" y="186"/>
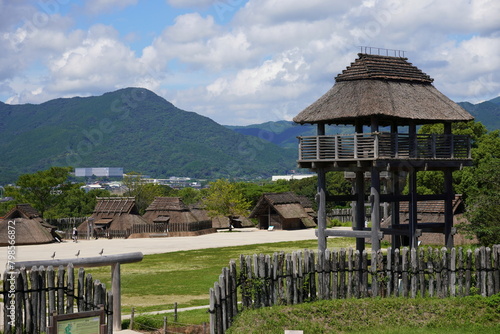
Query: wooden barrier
<point x="32" y="296"/>
<point x="285" y="279"/>
<point x="109" y="260"/>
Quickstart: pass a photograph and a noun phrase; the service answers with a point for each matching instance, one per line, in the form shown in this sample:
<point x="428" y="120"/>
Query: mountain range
<point x="132" y="128"/>
<point x="136" y="129"/>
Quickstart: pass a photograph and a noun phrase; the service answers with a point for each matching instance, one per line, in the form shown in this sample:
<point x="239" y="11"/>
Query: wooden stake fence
<point x="32" y="296"/>
<point x="285" y="279"/>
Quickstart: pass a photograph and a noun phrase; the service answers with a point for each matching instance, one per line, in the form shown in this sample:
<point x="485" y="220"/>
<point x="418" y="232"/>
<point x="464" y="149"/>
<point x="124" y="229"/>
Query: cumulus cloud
<point x="269" y="62"/>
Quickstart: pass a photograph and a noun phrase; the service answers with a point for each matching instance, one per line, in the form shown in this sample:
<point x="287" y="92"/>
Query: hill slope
<point x="284" y="133"/>
<point x="131" y="128"/>
<point x="487" y="112"/>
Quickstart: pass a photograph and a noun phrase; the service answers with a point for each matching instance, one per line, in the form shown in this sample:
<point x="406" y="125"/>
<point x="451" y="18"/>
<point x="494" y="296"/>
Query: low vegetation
<point x="389" y="315"/>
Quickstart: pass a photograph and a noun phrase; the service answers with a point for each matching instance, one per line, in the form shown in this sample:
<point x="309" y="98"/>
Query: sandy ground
<point x="91" y="248"/>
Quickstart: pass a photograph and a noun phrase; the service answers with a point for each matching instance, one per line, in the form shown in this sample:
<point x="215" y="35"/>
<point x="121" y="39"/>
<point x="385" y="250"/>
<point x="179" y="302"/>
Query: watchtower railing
<point x="383" y="145"/>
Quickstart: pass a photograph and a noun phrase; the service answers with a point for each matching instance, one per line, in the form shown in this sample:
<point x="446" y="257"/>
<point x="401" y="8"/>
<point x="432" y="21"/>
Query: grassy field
<point x="185" y="277"/>
<point x="389" y="316"/>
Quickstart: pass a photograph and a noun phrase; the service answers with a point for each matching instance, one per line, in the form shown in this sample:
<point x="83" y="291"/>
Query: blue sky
<point x="238" y="61"/>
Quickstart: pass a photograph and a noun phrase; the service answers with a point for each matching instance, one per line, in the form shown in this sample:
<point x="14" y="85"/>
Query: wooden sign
<point x="89" y="322"/>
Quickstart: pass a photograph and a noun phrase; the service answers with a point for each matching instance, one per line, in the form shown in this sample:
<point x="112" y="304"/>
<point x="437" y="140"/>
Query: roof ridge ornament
<point x="371" y="50"/>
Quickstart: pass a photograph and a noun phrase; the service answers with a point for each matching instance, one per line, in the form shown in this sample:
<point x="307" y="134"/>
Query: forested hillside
<point x="131" y="128"/>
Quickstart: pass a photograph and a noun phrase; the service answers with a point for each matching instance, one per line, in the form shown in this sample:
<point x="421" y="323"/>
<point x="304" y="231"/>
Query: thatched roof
<point x="115" y="205"/>
<point x="29" y="227"/>
<point x="170" y="209"/>
<point x="114" y="213"/>
<point x="390" y="88"/>
<point x="288" y="205"/>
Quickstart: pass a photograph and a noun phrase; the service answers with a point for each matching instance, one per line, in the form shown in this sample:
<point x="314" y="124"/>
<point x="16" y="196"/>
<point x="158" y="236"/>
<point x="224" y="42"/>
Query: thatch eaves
<point x="22" y="211"/>
<point x="29" y="226"/>
<point x="110" y="206"/>
<point x="172" y="208"/>
<point x="389" y="88"/>
<point x="287" y="204"/>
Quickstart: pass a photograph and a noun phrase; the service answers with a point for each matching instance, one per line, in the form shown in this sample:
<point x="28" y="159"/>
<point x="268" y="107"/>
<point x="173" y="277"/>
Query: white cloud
<point x="96" y="7"/>
<point x="271" y="60"/>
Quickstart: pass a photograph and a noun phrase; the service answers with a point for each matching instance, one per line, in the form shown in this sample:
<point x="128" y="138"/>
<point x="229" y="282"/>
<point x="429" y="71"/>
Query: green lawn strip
<point x="185" y="277"/>
<point x="390" y="315"/>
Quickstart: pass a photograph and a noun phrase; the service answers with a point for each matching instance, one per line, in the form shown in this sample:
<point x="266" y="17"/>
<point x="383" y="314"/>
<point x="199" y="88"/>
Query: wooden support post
<point x="375" y="197"/>
<point x="413" y="207"/>
<point x="132" y="316"/>
<point x="448" y="208"/>
<point x="321" y="198"/>
<point x="375" y="203"/>
<point x="360" y="208"/>
<point x="360" y="199"/>
<point x="395" y="239"/>
<point x="116" y="290"/>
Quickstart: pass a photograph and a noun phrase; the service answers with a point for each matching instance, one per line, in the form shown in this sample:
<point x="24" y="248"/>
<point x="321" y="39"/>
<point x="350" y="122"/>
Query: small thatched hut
<point x="430" y="218"/>
<point x="283" y="211"/>
<point x="113" y="214"/>
<point x="29" y="227"/>
<point x="176" y="214"/>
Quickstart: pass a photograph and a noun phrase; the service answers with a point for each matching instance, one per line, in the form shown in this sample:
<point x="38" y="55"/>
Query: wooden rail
<point x="382" y="145"/>
<point x="285" y="279"/>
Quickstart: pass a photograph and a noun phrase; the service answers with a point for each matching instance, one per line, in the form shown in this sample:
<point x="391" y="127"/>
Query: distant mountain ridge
<point x="487" y="112"/>
<point x="132" y="128"/>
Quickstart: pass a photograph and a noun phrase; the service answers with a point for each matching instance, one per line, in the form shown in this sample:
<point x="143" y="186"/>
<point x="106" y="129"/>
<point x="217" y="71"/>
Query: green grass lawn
<point x="473" y="314"/>
<point x="185" y="277"/>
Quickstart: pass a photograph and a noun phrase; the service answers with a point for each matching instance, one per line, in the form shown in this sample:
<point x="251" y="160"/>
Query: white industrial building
<point x="99" y="172"/>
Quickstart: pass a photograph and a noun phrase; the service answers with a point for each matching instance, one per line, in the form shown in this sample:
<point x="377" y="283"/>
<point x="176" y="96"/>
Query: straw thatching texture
<point x="29" y="227"/>
<point x="114" y="213"/>
<point x="171" y="207"/>
<point x="284" y="209"/>
<point x="433" y="212"/>
<point x="390" y="94"/>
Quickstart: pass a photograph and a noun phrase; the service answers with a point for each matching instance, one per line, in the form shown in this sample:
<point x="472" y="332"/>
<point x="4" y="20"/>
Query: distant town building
<point x="99" y="172"/>
<point x="291" y="177"/>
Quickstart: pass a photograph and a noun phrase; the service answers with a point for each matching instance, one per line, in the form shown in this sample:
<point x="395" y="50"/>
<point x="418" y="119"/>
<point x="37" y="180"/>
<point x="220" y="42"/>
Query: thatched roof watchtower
<point x="383" y="91"/>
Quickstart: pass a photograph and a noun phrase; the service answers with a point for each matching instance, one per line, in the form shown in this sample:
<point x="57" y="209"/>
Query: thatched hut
<point x="430" y="217"/>
<point x="391" y="97"/>
<point x="176" y="214"/>
<point x="282" y="211"/>
<point x="112" y="214"/>
<point x="29" y="227"/>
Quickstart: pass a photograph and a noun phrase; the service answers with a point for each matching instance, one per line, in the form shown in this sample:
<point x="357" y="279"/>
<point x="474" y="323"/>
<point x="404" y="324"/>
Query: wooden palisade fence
<point x="41" y="292"/>
<point x="285" y="279"/>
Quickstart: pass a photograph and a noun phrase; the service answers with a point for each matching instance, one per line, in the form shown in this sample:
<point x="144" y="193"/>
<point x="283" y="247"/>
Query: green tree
<point x="224" y="198"/>
<point x="189" y="195"/>
<point x="143" y="191"/>
<point x="483" y="209"/>
<point x="76" y="202"/>
<point x="43" y="190"/>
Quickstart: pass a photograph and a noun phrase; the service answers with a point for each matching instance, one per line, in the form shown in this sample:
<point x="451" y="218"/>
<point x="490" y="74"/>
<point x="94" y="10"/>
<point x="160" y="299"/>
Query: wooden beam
<point x="98" y="261"/>
<point x="352" y="234"/>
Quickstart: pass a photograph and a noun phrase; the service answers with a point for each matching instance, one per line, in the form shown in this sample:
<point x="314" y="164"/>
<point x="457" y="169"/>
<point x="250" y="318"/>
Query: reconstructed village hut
<point x="384" y="98"/>
<point x="432" y="214"/>
<point x="112" y="215"/>
<point x="29" y="227"/>
<point x="283" y="211"/>
<point x="176" y="214"/>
